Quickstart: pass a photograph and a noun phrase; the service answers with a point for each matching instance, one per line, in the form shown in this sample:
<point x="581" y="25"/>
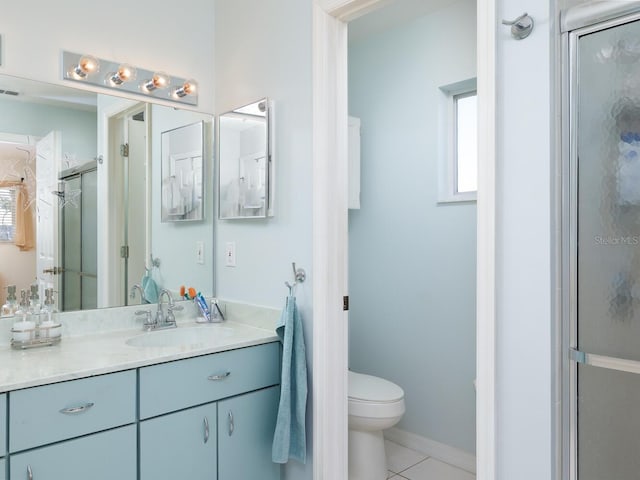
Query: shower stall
<point x="601" y="242"/>
<point x="78" y="240"/>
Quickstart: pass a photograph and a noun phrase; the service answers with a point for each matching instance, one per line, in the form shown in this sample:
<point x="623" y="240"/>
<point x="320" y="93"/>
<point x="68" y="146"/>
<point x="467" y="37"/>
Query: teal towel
<point x="149" y="288"/>
<point x="290" y="440"/>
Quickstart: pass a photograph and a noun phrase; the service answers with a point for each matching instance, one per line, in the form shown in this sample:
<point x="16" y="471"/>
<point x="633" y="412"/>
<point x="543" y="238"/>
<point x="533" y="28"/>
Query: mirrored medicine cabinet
<point x="246" y="162"/>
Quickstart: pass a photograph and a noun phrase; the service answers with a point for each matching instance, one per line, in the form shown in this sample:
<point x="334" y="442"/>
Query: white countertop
<point x="99" y="353"/>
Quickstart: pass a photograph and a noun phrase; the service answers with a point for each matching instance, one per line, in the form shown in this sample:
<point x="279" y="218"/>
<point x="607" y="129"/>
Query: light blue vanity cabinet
<point x="240" y="426"/>
<point x="180" y="445"/>
<point x="3" y="426"/>
<point x="103" y="456"/>
<point x="245" y="435"/>
<point x="3" y="469"/>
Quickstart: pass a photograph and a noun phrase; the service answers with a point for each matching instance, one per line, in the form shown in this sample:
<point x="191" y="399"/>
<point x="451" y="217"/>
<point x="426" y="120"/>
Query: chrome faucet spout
<point x="168" y="320"/>
<point x="132" y="294"/>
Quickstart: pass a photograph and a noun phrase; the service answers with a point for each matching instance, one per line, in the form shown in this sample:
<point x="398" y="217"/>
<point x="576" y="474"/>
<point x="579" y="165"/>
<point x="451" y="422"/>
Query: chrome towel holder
<point x="521" y="27"/>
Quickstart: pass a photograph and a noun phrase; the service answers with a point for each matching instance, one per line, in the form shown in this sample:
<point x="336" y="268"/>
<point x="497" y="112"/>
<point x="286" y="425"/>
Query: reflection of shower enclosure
<point x="79" y="231"/>
<point x="602" y="253"/>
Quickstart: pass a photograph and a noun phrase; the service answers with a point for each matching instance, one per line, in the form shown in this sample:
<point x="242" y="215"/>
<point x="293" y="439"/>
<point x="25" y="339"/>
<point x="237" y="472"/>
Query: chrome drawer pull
<point x="219" y="377"/>
<point x="206" y="429"/>
<point x="231" y="425"/>
<point x="29" y="472"/>
<point x="78" y="409"/>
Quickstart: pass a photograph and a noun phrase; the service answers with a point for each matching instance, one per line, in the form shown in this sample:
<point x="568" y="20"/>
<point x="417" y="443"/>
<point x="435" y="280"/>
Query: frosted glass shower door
<point x="605" y="253"/>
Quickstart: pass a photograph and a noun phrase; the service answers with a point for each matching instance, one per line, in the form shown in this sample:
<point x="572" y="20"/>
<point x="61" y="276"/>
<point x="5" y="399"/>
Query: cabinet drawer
<point x="3" y="425"/>
<point x="173" y="386"/>
<point x="60" y="411"/>
<point x="3" y="469"/>
<point x="102" y="456"/>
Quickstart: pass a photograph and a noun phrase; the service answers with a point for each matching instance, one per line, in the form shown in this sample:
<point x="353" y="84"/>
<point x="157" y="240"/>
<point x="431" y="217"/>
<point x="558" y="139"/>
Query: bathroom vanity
<point x="204" y="409"/>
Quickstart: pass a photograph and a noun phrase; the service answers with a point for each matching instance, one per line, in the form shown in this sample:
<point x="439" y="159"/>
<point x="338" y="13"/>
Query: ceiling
<point x="395" y="13"/>
<point x="39" y="92"/>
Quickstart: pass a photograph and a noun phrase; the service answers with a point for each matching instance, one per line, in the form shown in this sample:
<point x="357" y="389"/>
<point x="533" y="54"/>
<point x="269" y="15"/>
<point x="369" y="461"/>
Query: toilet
<point x="374" y="405"/>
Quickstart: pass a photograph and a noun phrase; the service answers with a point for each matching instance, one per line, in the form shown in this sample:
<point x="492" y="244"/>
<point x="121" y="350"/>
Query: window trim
<point x="447" y="146"/>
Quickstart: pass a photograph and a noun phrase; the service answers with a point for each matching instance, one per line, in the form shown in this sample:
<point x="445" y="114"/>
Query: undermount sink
<point x="181" y="336"/>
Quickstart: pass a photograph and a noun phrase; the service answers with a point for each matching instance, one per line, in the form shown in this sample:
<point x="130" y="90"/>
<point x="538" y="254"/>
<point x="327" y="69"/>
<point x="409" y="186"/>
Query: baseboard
<point x="431" y="448"/>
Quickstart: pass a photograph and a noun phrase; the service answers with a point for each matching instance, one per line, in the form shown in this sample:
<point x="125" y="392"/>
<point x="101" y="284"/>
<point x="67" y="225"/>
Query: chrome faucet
<point x="168" y="320"/>
<point x="161" y="320"/>
<point x="132" y="294"/>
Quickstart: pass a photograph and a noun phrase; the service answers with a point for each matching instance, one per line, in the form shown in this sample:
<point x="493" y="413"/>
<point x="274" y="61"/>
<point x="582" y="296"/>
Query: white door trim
<point x="330" y="342"/>
<point x="330" y="240"/>
<point x="486" y="451"/>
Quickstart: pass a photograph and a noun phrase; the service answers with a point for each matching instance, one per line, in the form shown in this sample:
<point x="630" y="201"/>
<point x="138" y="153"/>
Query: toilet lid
<point x="373" y="389"/>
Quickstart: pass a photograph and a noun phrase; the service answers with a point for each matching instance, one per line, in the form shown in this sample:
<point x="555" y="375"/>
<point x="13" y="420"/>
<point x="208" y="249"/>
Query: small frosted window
<point x="466" y="141"/>
<point x="7" y="214"/>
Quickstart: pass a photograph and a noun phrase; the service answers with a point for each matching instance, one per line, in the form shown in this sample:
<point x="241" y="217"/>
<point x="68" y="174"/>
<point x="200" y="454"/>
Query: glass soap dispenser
<point x="24" y="328"/>
<point x="34" y="304"/>
<point x="10" y="307"/>
<point x="49" y="326"/>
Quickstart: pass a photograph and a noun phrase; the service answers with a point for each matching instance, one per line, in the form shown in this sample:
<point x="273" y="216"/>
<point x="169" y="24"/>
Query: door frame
<point x="330" y="246"/>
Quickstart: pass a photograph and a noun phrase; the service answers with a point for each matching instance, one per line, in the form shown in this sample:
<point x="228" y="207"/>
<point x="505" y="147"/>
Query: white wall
<point x="526" y="397"/>
<point x="263" y="49"/>
<point x="411" y="261"/>
<point x="174" y="38"/>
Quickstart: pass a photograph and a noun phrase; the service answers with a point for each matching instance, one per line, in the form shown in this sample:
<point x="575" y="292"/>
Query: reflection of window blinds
<point x="7" y="213"/>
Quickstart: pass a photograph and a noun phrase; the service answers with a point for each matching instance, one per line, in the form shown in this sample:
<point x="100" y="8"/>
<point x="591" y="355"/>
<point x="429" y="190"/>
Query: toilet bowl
<point x="374" y="405"/>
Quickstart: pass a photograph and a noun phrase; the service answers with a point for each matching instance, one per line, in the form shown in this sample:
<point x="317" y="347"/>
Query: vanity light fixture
<point x="159" y="80"/>
<point x="124" y="73"/>
<point x="189" y="87"/>
<point x="121" y="76"/>
<point x="86" y="65"/>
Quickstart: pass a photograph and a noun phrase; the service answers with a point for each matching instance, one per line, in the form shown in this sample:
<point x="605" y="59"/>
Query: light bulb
<point x="86" y="65"/>
<point x="189" y="87"/>
<point x="158" y="81"/>
<point x="125" y="73"/>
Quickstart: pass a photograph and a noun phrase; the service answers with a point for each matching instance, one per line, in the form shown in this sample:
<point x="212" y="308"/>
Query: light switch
<point x="230" y="254"/>
<point x="200" y="253"/>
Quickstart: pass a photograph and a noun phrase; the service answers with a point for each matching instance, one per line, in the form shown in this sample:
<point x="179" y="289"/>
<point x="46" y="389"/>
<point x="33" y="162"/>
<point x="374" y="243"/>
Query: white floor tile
<point x="400" y="458"/>
<point x="432" y="469"/>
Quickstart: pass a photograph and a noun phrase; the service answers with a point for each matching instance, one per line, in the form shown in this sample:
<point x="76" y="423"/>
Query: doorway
<point x="412" y="236"/>
<point x="127" y="209"/>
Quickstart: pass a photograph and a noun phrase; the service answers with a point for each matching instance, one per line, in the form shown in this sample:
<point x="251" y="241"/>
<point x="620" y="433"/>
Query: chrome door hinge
<point x="124" y="150"/>
<point x="124" y="251"/>
<point x="345" y="303"/>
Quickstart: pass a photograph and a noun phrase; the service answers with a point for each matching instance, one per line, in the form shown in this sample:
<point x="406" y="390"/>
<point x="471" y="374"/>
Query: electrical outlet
<point x="200" y="253"/>
<point x="230" y="254"/>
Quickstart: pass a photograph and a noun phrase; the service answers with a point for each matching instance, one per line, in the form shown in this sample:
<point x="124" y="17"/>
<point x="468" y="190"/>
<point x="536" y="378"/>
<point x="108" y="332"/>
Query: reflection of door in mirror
<point x="128" y="218"/>
<point x="48" y="154"/>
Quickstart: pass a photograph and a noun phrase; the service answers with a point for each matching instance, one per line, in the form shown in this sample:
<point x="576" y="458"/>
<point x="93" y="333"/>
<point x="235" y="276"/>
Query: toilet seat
<point x="374" y="397"/>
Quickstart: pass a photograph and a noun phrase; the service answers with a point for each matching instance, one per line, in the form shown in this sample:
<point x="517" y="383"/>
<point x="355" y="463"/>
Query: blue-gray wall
<point x="412" y="262"/>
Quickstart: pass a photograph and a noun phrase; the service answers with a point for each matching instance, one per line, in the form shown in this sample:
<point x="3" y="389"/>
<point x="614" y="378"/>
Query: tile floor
<point x="407" y="464"/>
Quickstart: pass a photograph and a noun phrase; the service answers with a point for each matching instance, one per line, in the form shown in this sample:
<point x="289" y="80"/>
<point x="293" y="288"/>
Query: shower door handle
<point x="602" y="361"/>
<point x="53" y="270"/>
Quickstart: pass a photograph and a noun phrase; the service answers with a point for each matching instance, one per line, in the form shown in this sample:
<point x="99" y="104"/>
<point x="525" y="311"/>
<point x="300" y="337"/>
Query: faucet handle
<point x="147" y="318"/>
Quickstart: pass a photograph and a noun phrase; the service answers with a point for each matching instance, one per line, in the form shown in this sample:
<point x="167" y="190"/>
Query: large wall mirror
<point x="81" y="193"/>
